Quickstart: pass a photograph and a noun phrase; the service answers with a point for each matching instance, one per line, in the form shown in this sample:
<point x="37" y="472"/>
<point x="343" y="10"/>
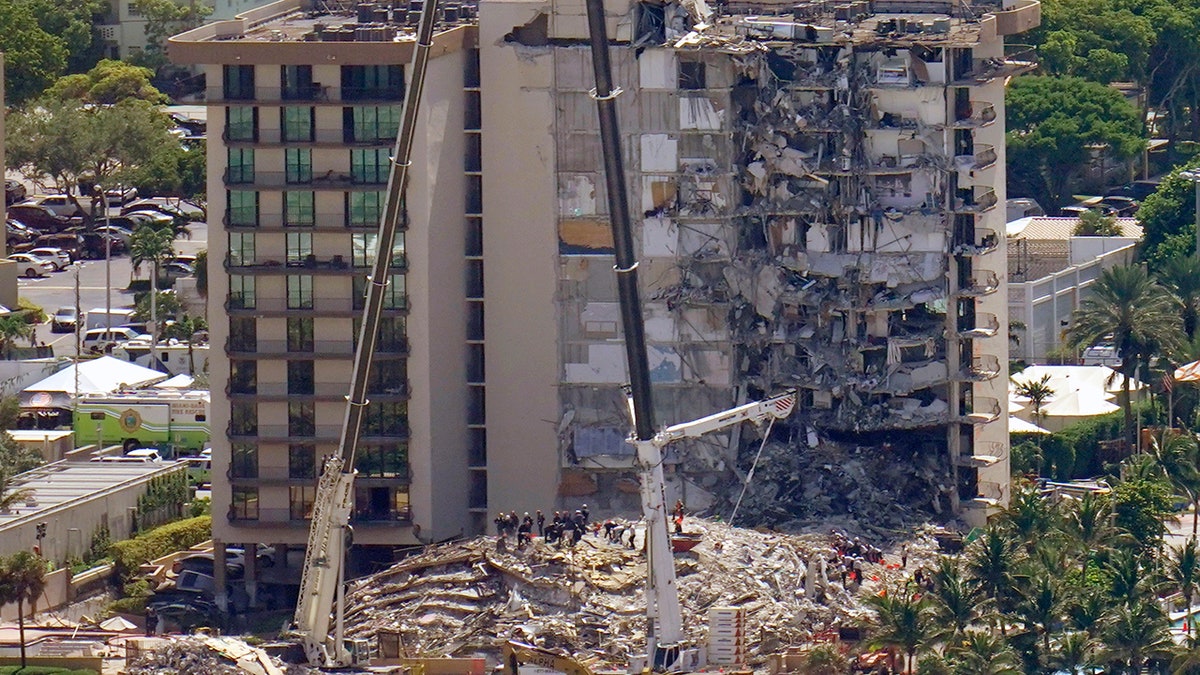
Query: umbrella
<point x="1016" y="425"/>
<point x="118" y="624"/>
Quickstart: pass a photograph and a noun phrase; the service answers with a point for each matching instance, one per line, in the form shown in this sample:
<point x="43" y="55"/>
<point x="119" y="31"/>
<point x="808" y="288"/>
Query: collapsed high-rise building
<point x="815" y="189"/>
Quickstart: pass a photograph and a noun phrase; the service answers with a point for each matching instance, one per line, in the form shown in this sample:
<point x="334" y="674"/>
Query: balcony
<point x="980" y="284"/>
<point x="241" y="305"/>
<point x="325" y="349"/>
<point x="983" y="157"/>
<point x="288" y="518"/>
<point x="982" y="410"/>
<point x="311" y="93"/>
<point x="268" y="474"/>
<point x="277" y="222"/>
<point x="980" y="241"/>
<point x="981" y="368"/>
<point x="327" y="390"/>
<point x="1017" y="59"/>
<point x="983" y="325"/>
<point x="310" y="180"/>
<point x="282" y="433"/>
<point x="317" y="137"/>
<point x="311" y="264"/>
<point x="978" y="115"/>
<point x="980" y="202"/>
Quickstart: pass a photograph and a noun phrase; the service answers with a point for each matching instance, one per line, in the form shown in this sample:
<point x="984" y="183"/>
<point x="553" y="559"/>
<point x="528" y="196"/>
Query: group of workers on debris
<point x="567" y="528"/>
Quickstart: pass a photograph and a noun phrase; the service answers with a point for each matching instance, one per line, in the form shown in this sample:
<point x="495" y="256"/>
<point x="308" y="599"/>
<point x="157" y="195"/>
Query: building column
<point x="281" y="555"/>
<point x="251" y="573"/>
<point x="220" y="577"/>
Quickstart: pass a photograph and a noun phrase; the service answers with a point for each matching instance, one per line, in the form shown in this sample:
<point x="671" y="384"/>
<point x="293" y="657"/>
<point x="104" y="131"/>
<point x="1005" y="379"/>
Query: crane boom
<point x="322" y="584"/>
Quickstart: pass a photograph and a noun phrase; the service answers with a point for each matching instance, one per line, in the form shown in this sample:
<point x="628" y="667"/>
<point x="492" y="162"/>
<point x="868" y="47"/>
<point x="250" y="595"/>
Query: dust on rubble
<point x="466" y="598"/>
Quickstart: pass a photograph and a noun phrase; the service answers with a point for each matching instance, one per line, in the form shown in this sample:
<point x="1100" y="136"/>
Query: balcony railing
<point x="984" y="325"/>
<point x="982" y="241"/>
<point x="980" y="284"/>
<point x="268" y="474"/>
<point x="983" y="410"/>
<point x="331" y="179"/>
<point x="980" y="202"/>
<point x="282" y="432"/>
<point x="324" y="348"/>
<point x="287" y="517"/>
<point x="981" y="368"/>
<point x="980" y="114"/>
<point x="309" y="264"/>
<point x="983" y="157"/>
<point x="282" y="390"/>
<point x="267" y="305"/>
<point x="334" y="137"/>
<point x="267" y="222"/>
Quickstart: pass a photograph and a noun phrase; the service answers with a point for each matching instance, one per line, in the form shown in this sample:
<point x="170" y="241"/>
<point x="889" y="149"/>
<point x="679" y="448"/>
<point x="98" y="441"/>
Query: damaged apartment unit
<point x="815" y="189"/>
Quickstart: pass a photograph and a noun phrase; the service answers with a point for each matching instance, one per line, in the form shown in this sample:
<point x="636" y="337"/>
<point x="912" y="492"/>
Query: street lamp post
<point x="104" y="237"/>
<point x="1194" y="176"/>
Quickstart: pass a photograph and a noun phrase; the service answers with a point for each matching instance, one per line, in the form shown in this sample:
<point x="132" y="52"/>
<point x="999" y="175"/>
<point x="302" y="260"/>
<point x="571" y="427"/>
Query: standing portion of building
<point x="304" y="104"/>
<point x="817" y="188"/>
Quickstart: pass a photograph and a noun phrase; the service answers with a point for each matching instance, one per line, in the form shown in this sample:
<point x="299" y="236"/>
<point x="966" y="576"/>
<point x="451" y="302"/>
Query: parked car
<point x="100" y="339"/>
<point x="40" y="217"/>
<point x="172" y="207"/>
<point x="17" y="233"/>
<point x="148" y="454"/>
<point x="14" y="192"/>
<point x="204" y="563"/>
<point x="69" y="242"/>
<point x="92" y="247"/>
<point x="59" y="257"/>
<point x="1138" y="189"/>
<point x="134" y="219"/>
<point x="120" y="196"/>
<point x="64" y="320"/>
<point x="177" y="270"/>
<point x="59" y="204"/>
<point x="1121" y="206"/>
<point x="31" y="266"/>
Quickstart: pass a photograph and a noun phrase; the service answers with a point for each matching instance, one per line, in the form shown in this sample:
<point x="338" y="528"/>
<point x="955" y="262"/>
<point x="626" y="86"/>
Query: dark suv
<point x="14" y="192"/>
<point x="40" y="217"/>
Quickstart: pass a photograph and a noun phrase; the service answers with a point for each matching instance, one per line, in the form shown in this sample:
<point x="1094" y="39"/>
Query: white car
<point x="31" y="266"/>
<point x="60" y="204"/>
<point x="99" y="339"/>
<point x="59" y="257"/>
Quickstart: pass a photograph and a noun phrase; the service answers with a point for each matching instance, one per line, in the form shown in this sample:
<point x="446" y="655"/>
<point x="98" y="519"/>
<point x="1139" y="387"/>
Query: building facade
<point x="303" y="115"/>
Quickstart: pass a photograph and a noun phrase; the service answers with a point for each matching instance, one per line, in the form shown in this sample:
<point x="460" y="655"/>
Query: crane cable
<point x="746" y="483"/>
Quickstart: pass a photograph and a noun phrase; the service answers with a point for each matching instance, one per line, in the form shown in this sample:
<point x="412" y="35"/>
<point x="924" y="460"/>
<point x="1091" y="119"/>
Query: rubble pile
<point x="468" y="597"/>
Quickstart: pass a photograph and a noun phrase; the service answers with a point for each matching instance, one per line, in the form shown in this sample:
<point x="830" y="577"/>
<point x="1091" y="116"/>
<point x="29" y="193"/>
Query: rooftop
<point x="63" y="483"/>
<point x="1049" y="228"/>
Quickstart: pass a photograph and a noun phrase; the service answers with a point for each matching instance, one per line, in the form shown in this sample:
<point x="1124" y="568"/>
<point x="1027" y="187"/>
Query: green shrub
<point x="128" y="606"/>
<point x="33" y="313"/>
<point x="128" y="555"/>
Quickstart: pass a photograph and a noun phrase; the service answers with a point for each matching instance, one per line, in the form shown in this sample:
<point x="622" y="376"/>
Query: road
<point x="58" y="289"/>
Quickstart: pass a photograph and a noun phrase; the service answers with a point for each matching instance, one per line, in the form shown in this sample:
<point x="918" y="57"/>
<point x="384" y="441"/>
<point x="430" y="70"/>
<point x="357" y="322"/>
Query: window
<point x="244" y="504"/>
<point x="302" y="461"/>
<point x="300" y="378"/>
<point x="381" y="503"/>
<point x="388" y="460"/>
<point x="692" y="75"/>
<point x="388" y="377"/>
<point x="363" y="83"/>
<point x="238" y="83"/>
<point x="241" y="292"/>
<point x="300" y="334"/>
<point x="369" y="165"/>
<point x="243" y="418"/>
<point x="364" y="209"/>
<point x="302" y="418"/>
<point x="298" y="164"/>
<point x="296" y="123"/>
<point x="371" y="124"/>
<point x="243" y="334"/>
<point x="241" y="166"/>
<point x="243" y="377"/>
<point x="241" y="249"/>
<point x="299" y="248"/>
<point x="299" y="291"/>
<point x="243" y="208"/>
<point x="298" y="209"/>
<point x="300" y="501"/>
<point x="243" y="462"/>
<point x="394" y="297"/>
<point x="241" y="123"/>
<point x="392" y="336"/>
<point x="385" y="418"/>
<point x="297" y="83"/>
<point x="364" y="244"/>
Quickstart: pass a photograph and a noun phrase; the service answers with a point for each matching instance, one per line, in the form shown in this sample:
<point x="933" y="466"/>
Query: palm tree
<point x="9" y="496"/>
<point x="22" y="579"/>
<point x="982" y="653"/>
<point x="954" y="602"/>
<point x="201" y="268"/>
<point x="1029" y="515"/>
<point x="1182" y="572"/>
<point x="901" y="622"/>
<point x="1176" y="454"/>
<point x="185" y="330"/>
<point x="1086" y="611"/>
<point x="1088" y="522"/>
<point x="1037" y="391"/>
<point x="1040" y="606"/>
<point x="156" y="247"/>
<point x="1181" y="276"/>
<point x="1133" y="632"/>
<point x="991" y="564"/>
<point x="1127" y="305"/>
<point x="13" y="327"/>
<point x="1073" y="652"/>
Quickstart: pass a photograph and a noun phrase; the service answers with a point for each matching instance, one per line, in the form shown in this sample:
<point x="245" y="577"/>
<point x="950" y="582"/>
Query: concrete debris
<point x="467" y="598"/>
<point x="209" y="655"/>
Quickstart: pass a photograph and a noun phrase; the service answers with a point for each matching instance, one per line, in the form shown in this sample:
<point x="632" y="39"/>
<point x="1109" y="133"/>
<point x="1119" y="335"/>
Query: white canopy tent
<point x="98" y="376"/>
<point x="1016" y="425"/>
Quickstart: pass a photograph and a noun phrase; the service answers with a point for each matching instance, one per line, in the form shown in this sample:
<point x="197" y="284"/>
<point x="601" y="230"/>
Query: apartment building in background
<point x="815" y="189"/>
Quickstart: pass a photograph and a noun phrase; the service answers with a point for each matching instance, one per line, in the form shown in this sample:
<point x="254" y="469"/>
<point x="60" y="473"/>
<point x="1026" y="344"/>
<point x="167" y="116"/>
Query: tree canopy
<point x="165" y="18"/>
<point x="1054" y="123"/>
<point x="107" y="83"/>
<point x="1168" y="219"/>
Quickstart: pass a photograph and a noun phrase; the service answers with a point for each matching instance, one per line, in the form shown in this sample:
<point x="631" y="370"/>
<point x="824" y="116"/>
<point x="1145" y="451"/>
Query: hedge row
<point x="130" y="554"/>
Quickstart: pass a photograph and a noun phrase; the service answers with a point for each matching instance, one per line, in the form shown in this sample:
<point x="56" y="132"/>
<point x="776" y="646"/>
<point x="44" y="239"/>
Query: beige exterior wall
<point x="521" y="252"/>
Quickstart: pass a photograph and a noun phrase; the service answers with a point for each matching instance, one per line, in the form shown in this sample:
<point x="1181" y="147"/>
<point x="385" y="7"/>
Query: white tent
<point x="180" y="381"/>
<point x="1067" y="408"/>
<point x="1016" y="425"/>
<point x="98" y="376"/>
<point x="1084" y="378"/>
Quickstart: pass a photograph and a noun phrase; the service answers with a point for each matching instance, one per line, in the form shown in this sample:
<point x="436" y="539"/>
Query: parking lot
<point x="58" y="289"/>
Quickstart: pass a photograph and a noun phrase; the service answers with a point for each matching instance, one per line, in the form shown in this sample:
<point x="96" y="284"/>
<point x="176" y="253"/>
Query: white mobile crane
<point x="320" y="609"/>
<point x="664" y="647"/>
